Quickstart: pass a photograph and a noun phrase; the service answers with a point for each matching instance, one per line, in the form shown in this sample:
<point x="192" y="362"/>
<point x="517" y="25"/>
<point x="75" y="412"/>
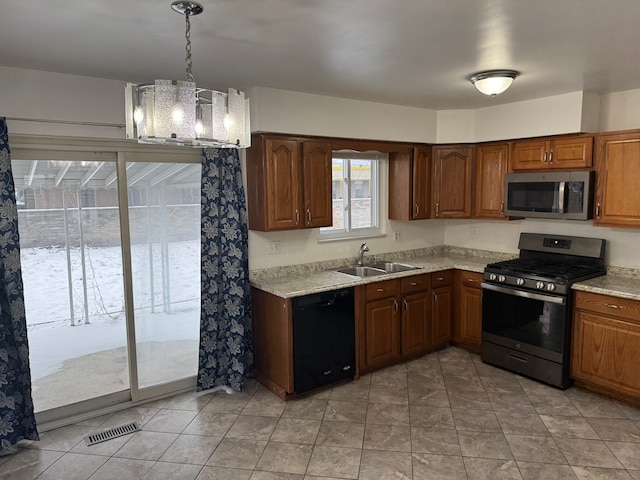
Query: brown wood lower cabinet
<point x="467" y="332"/>
<point x="441" y="307"/>
<point x="605" y="350"/>
<point x="396" y="320"/>
<point x="404" y="318"/>
<point x="273" y="341"/>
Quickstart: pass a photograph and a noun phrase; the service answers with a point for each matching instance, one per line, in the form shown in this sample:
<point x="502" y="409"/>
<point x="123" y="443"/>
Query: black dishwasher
<point x="323" y="339"/>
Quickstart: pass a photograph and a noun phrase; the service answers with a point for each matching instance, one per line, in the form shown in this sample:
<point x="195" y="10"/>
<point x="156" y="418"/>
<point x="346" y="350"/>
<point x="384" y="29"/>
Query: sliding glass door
<point x="164" y="223"/>
<point x="110" y="256"/>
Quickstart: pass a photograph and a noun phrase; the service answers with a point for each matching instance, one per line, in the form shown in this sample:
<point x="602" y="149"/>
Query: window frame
<point x="348" y="232"/>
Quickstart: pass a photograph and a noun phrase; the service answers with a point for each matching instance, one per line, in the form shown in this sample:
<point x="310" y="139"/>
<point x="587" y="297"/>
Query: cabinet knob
<point x="472" y="280"/>
<point x="417" y="209"/>
<point x="544" y="157"/>
<point x="550" y="157"/>
<point x="380" y="290"/>
<point x="598" y="210"/>
<point x="405" y="305"/>
<point x="395" y="305"/>
<point x="502" y="207"/>
<point x="308" y="215"/>
<point x="297" y="217"/>
<point x="437" y="209"/>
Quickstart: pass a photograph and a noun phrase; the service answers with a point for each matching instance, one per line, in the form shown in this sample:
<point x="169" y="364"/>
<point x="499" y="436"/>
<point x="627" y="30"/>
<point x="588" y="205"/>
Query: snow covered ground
<point x="54" y="343"/>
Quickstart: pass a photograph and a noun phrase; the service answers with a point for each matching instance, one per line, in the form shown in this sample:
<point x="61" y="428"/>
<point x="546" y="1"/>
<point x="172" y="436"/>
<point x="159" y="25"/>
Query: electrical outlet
<point x="396" y="236"/>
<point x="274" y="247"/>
<point x="474" y="232"/>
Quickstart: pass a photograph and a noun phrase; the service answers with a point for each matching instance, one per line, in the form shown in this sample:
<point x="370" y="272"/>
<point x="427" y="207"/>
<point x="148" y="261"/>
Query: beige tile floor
<point x="444" y="416"/>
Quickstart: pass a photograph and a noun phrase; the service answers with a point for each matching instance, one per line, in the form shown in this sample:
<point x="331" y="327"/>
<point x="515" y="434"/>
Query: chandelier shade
<point x="493" y="82"/>
<point x="178" y="112"/>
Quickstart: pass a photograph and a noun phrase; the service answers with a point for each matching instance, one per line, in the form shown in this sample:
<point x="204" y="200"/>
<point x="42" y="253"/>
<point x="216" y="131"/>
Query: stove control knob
<point x="520" y="281"/>
<point x="551" y="287"/>
<point x="502" y="279"/>
<point x="540" y="285"/>
<point x="492" y="276"/>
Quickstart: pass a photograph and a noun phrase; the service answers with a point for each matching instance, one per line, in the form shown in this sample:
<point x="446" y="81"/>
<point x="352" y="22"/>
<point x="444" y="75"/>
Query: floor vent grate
<point x="111" y="433"/>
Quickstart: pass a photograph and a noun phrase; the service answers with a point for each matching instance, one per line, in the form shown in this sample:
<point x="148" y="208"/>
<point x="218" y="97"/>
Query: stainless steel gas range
<point x="526" y="304"/>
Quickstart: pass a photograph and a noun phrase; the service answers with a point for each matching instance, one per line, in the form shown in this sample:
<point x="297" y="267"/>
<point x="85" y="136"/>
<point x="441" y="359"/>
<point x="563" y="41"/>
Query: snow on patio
<point x="73" y="363"/>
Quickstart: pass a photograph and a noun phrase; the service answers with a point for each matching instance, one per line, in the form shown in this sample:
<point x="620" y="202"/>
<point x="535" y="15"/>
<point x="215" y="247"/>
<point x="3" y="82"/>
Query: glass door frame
<point x="126" y="151"/>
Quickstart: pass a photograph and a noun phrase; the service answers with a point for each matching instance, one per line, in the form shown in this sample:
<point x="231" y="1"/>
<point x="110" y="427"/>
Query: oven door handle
<point x="520" y="293"/>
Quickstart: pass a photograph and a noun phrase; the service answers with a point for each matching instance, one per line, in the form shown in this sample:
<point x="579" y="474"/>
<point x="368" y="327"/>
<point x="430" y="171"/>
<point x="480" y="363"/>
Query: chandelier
<point x="177" y="112"/>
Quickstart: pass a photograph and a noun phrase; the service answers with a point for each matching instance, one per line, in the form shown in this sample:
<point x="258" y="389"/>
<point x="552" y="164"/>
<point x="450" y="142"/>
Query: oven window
<point x="534" y="197"/>
<point x="524" y="320"/>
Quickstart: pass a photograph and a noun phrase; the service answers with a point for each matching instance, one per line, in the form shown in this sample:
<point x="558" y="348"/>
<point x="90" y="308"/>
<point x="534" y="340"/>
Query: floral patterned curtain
<point x="17" y="420"/>
<point x="226" y="353"/>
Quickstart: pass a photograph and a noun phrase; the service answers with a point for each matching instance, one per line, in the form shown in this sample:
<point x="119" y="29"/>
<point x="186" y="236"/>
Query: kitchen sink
<point x="393" y="267"/>
<point x="362" y="271"/>
<point x="380" y="268"/>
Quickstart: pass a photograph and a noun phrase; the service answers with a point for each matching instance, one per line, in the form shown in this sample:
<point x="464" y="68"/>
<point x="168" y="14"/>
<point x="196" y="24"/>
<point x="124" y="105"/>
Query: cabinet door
<point x="415" y="323"/>
<point x="452" y="182"/>
<point x="421" y="185"/>
<point x="441" y="315"/>
<point x="316" y="159"/>
<point x="410" y="184"/>
<point x="400" y="179"/>
<point x="467" y="325"/>
<point x="529" y="154"/>
<point x="617" y="201"/>
<point x="572" y="152"/>
<point x="491" y="167"/>
<point x="382" y="331"/>
<point x="283" y="184"/>
<point x="606" y="352"/>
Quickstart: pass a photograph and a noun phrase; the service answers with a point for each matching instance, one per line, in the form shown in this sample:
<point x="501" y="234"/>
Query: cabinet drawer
<point x="415" y="283"/>
<point x="440" y="279"/>
<point x="388" y="288"/>
<point x="470" y="279"/>
<point x="608" y="305"/>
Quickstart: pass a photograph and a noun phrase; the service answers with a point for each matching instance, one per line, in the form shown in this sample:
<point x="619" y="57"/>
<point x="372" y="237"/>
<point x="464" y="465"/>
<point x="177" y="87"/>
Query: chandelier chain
<point x="188" y="46"/>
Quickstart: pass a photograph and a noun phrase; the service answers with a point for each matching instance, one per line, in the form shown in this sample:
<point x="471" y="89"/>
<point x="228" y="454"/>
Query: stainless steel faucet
<point x="363" y="248"/>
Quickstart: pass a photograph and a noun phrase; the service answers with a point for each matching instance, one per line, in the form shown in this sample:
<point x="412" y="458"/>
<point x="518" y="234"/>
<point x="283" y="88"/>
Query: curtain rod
<point x="67" y="122"/>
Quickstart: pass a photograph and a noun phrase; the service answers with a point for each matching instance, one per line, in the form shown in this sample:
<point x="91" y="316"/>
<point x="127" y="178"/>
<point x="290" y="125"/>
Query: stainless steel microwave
<point x="562" y="195"/>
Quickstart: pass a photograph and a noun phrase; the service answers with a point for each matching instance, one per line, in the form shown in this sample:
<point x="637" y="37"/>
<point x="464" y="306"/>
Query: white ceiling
<point x="405" y="52"/>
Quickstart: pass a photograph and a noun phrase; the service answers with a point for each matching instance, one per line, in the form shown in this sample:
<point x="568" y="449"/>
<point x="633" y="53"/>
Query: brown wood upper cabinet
<point x="451" y="181"/>
<point x="617" y="199"/>
<point x="562" y="152"/>
<point x="492" y="163"/>
<point x="410" y="184"/>
<point x="288" y="183"/>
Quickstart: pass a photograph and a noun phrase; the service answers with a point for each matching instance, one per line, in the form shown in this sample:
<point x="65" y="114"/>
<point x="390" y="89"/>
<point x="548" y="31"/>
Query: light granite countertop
<point x="295" y="281"/>
<point x="618" y="282"/>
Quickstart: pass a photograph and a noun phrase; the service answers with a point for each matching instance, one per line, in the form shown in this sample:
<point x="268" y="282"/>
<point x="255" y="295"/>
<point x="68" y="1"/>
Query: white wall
<point x="531" y="118"/>
<point x="282" y="111"/>
<point x="620" y="111"/>
<point x="456" y="126"/>
<point x="54" y="96"/>
<point x="623" y="245"/>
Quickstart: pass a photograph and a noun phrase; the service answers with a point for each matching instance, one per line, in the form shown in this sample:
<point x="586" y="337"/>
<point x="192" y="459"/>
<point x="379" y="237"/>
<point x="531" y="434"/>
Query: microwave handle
<point x="561" y="197"/>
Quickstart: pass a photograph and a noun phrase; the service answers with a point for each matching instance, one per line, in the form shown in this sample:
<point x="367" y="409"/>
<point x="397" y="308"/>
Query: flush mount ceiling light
<point x="493" y="82"/>
<point x="179" y="113"/>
